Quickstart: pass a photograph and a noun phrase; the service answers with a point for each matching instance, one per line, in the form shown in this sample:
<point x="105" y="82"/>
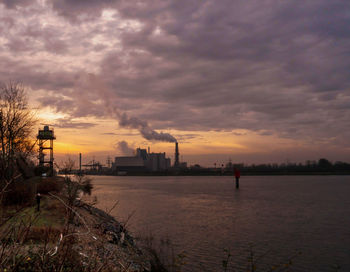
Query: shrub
<point x="20" y="192"/>
<point x="49" y="185"/>
<point x="75" y="185"/>
<point x="39" y="170"/>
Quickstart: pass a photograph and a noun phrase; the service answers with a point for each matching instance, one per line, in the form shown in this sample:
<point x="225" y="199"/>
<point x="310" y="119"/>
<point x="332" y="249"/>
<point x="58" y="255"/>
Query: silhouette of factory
<point x="145" y="161"/>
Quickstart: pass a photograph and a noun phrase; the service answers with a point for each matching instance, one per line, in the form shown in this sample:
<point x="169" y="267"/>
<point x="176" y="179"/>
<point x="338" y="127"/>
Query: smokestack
<point x="176" y="163"/>
<point x="79" y="163"/>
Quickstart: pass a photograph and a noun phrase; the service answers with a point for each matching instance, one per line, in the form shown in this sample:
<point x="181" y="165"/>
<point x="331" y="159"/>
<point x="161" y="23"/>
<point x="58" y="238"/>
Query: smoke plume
<point x="146" y="131"/>
<point x="94" y="82"/>
<point x="124" y="148"/>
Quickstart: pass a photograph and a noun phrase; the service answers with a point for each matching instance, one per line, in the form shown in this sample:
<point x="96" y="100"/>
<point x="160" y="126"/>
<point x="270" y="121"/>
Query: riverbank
<point x="257" y="173"/>
<point x="60" y="237"/>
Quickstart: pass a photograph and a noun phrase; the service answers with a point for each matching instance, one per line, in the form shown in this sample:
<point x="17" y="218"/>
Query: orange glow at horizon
<point x="104" y="136"/>
<point x="101" y="140"/>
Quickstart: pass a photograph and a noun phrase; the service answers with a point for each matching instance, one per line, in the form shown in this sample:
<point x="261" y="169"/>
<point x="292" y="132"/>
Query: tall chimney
<point x="176" y="163"/>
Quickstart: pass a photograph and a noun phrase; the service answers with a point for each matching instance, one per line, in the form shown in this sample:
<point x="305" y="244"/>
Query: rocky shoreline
<point x="101" y="237"/>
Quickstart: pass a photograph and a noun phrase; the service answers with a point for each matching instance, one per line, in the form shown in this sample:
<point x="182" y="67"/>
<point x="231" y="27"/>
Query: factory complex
<point x="145" y="161"/>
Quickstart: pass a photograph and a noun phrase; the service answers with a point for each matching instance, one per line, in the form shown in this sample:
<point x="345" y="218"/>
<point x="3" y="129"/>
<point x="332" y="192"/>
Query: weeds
<point x="41" y="241"/>
<point x="162" y="253"/>
<point x="226" y="260"/>
<point x="254" y="261"/>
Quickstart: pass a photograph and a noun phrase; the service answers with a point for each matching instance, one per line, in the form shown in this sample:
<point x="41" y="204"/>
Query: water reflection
<point x="279" y="216"/>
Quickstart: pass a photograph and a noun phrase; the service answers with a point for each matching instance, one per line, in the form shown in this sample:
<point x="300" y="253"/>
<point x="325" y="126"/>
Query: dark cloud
<point x="127" y="134"/>
<point x="58" y="103"/>
<point x="34" y="37"/>
<point x="16" y="3"/>
<point x="81" y="10"/>
<point x="278" y="68"/>
<point x="108" y="133"/>
<point x="260" y="66"/>
<point x="68" y="123"/>
<point x="239" y="134"/>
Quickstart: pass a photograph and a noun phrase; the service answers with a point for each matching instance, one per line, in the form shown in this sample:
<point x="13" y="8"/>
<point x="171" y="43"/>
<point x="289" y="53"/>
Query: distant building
<point x="157" y="162"/>
<point x="129" y="164"/>
<point x="143" y="161"/>
<point x="142" y="153"/>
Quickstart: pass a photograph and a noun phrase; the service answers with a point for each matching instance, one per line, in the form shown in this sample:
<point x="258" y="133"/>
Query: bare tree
<point x="16" y="125"/>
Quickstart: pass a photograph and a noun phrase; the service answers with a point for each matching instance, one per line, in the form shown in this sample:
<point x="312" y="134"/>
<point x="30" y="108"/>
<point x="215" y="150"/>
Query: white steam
<point x="146" y="131"/>
<point x="124" y="148"/>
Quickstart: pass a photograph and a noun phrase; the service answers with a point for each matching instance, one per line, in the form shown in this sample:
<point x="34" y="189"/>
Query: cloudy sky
<point x="252" y="81"/>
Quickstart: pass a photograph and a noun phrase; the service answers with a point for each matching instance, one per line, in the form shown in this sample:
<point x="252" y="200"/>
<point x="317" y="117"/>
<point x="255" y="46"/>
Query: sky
<point x="254" y="81"/>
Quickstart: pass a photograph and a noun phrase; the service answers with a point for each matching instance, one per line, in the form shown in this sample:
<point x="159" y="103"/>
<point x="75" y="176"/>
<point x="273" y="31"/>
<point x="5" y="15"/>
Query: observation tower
<point x="46" y="137"/>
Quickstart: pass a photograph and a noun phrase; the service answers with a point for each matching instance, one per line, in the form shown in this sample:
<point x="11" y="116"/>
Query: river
<point x="302" y="220"/>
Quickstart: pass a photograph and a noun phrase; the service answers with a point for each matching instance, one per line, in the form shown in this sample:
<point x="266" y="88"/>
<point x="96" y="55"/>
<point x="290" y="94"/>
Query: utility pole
<point x="79" y="163"/>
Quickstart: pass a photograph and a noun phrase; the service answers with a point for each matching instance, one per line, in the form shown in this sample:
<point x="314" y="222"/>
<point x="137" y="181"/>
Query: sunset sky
<point x="252" y="81"/>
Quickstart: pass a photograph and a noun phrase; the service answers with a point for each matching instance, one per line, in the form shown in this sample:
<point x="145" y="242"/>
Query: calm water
<point x="277" y="216"/>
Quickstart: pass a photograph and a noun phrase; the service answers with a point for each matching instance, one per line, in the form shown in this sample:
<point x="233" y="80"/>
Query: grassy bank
<point x="64" y="235"/>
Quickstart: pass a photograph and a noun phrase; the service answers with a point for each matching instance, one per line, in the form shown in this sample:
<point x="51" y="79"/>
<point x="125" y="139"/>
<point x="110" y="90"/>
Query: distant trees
<point x="321" y="166"/>
<point x="310" y="167"/>
<point x="16" y="125"/>
<point x="324" y="163"/>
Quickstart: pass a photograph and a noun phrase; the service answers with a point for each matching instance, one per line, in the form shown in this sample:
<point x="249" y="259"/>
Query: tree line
<point x="322" y="166"/>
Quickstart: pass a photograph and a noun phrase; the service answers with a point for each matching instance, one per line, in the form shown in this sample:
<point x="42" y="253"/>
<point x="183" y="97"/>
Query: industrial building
<point x="143" y="161"/>
<point x="157" y="162"/>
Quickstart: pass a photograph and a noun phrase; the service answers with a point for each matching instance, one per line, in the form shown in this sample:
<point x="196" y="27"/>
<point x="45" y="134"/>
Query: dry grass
<point x="43" y="234"/>
<point x="62" y="237"/>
